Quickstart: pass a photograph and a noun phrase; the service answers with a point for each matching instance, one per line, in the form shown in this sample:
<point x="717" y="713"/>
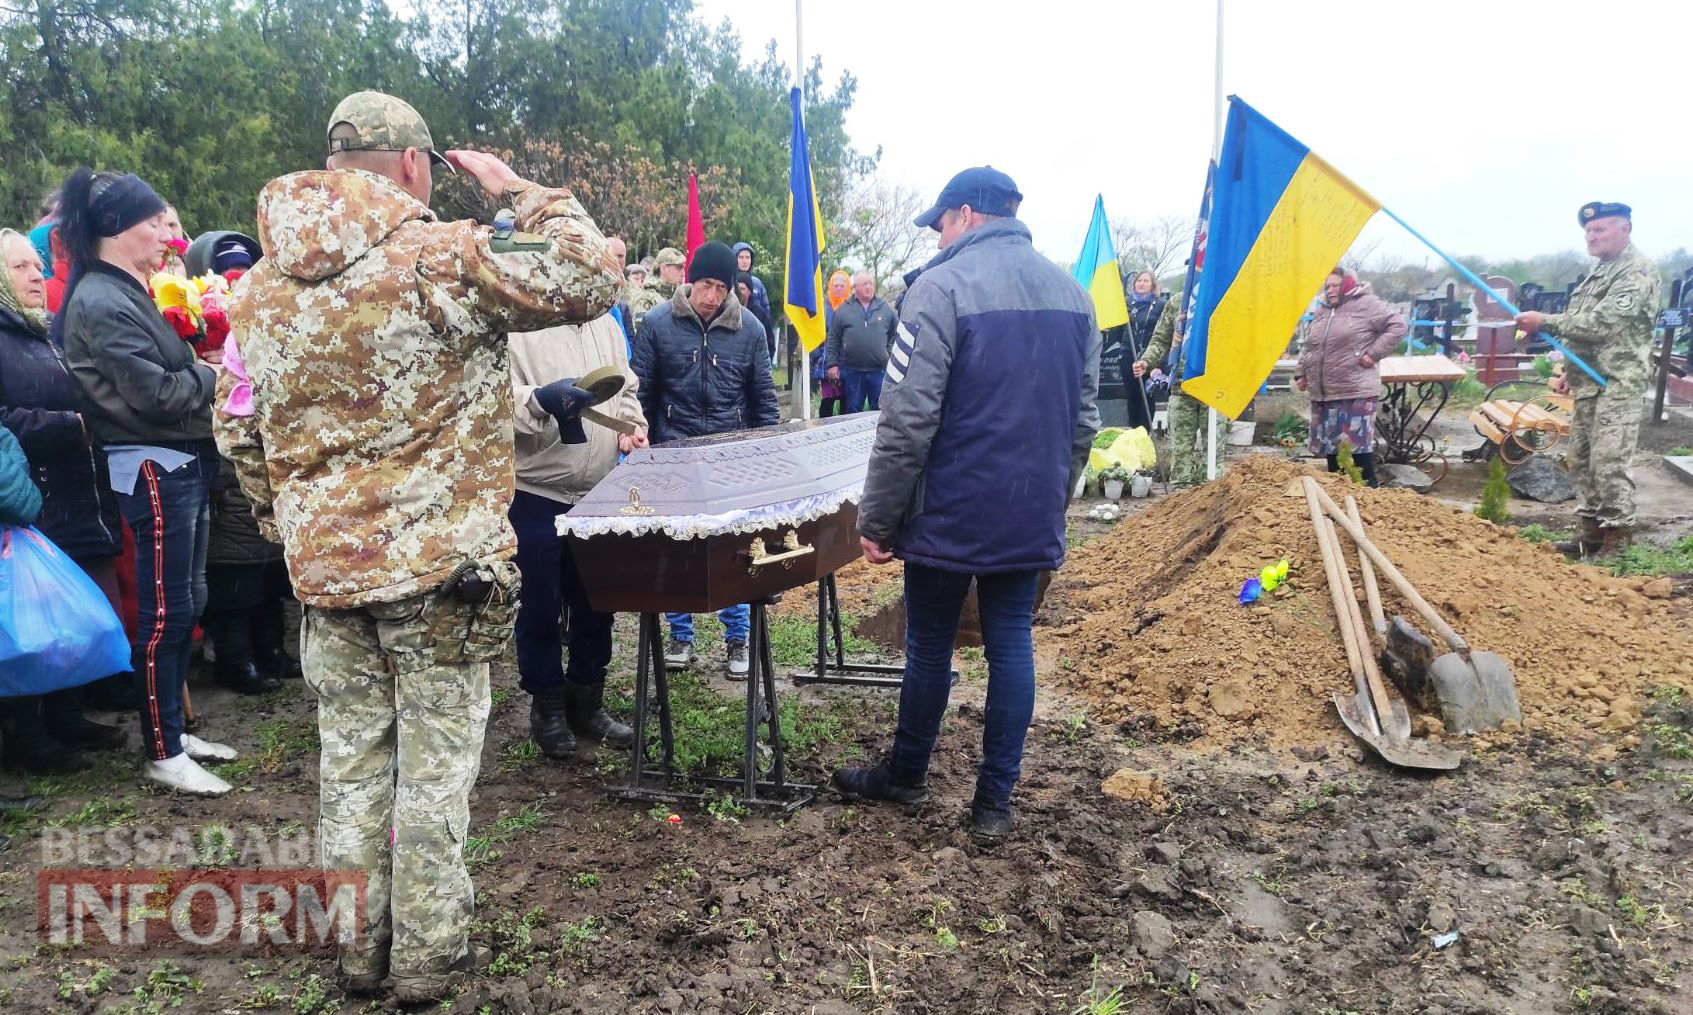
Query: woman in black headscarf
<point x="149" y="401"/>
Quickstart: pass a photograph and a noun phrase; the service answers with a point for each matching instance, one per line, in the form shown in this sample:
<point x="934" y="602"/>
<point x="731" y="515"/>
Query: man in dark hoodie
<point x="760" y="302"/>
<point x="703" y="369"/>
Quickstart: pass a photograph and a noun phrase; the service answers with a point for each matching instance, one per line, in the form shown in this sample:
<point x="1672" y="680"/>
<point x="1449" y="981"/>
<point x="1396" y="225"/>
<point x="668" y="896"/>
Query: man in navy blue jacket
<point x="987" y="419"/>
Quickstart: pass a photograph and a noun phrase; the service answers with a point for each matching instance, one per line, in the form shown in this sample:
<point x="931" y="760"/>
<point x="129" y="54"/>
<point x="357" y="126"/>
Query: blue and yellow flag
<point x="804" y="297"/>
<point x="1280" y="219"/>
<point x="1096" y="270"/>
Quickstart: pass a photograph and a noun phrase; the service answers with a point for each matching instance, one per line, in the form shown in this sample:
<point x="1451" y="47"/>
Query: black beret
<point x="1603" y="209"/>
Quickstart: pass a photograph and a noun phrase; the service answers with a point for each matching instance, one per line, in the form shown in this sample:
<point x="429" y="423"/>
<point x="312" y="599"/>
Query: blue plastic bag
<point x="57" y="629"/>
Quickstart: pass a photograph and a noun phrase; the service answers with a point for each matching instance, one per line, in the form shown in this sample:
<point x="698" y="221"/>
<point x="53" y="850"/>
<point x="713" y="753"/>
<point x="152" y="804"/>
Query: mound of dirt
<point x="1145" y="622"/>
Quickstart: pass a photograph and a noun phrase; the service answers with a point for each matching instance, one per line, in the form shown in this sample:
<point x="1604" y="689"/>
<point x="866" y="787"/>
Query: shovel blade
<point x="1398" y="751"/>
<point x="1476" y="694"/>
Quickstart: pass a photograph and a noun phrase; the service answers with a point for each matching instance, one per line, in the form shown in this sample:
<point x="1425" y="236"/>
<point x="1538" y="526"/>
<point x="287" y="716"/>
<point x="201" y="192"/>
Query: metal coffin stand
<point x="839" y="671"/>
<point x="698" y="525"/>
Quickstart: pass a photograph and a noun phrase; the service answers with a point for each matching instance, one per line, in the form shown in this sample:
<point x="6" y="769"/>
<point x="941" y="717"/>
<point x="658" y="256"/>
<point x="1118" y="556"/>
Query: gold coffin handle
<point x="758" y="555"/>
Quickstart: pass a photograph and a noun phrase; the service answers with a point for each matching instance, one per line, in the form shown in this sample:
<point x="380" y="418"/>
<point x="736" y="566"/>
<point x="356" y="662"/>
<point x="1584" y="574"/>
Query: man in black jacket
<point x="703" y="368"/>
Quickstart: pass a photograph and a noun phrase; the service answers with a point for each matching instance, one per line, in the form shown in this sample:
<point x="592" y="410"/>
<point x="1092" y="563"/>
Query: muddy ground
<point x="1236" y="879"/>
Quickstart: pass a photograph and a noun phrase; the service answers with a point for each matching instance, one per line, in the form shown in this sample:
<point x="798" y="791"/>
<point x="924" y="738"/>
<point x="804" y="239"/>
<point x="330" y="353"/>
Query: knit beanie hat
<point x="714" y="260"/>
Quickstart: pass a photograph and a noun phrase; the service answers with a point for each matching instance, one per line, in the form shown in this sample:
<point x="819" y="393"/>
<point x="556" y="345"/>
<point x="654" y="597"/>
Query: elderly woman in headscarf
<point x="41" y="406"/>
<point x="149" y="401"/>
<point x="1339" y="368"/>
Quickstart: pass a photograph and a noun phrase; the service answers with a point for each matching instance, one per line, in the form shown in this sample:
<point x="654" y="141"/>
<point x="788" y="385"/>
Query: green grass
<point x="711" y="727"/>
<point x="1537" y="533"/>
<point x="1646" y="560"/>
<point x="480" y="849"/>
<point x="1682" y="452"/>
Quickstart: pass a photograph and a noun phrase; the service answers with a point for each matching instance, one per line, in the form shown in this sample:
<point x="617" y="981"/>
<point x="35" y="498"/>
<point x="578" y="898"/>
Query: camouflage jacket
<point x="1163" y="334"/>
<point x="380" y="449"/>
<point x="1609" y="322"/>
<point x="654" y="293"/>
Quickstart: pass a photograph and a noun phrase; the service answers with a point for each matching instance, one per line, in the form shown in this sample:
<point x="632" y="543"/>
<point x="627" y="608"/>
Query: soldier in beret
<point x="1608" y="324"/>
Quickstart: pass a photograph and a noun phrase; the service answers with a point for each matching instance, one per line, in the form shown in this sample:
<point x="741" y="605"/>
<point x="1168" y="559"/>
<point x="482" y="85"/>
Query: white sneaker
<point x="205" y="750"/>
<point x="185" y="775"/>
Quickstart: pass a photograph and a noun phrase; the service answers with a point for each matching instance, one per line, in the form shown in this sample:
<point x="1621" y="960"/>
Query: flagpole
<point x="799" y="82"/>
<point x="1216" y="150"/>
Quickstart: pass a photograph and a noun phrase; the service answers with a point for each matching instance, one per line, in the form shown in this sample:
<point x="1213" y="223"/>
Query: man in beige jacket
<point x="553" y="475"/>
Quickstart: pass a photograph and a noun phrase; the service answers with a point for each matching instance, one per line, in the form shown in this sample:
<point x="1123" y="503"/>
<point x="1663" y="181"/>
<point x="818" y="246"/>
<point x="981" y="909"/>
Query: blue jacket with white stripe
<point x="988" y="411"/>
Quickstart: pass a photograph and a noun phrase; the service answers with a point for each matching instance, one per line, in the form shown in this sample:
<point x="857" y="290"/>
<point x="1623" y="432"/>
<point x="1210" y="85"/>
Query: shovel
<point x="1475" y="688"/>
<point x="1381" y="722"/>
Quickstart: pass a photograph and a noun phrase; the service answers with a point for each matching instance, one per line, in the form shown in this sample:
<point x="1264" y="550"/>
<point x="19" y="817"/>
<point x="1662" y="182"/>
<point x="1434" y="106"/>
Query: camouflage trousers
<point x="1605" y="428"/>
<point x="1186" y="417"/>
<point x="402" y="709"/>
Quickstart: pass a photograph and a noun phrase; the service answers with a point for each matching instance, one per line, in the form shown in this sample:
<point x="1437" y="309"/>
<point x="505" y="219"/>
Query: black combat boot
<point x="549" y="723"/>
<point x="1586" y="543"/>
<point x="584" y="706"/>
<point x="880" y="783"/>
<point x="990" y="820"/>
<point x="1367" y="468"/>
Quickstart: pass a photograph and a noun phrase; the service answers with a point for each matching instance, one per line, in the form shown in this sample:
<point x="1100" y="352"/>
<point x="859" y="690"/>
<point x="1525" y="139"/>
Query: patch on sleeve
<point x="1625" y="301"/>
<point x="899" y="356"/>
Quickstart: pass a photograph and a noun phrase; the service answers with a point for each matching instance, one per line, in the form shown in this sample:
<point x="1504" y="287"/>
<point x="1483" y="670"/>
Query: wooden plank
<point x="1417" y="369"/>
<point x="1485" y="426"/>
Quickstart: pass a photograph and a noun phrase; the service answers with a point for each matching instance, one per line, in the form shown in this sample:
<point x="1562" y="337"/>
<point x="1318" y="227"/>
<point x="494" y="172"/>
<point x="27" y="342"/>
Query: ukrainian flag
<point x="1096" y="271"/>
<point x="1280" y="219"/>
<point x="804" y="297"/>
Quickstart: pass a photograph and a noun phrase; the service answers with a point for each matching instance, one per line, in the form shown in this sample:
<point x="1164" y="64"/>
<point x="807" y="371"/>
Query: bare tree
<point x="875" y="232"/>
<point x="1158" y="245"/>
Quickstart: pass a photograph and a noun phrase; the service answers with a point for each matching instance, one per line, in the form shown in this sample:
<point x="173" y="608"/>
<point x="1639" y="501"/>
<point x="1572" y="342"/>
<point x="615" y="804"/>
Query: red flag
<point x="696" y="228"/>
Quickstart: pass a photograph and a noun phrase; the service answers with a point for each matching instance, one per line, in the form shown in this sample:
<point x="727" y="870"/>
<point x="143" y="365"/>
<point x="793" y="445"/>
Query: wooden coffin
<point x="696" y="525"/>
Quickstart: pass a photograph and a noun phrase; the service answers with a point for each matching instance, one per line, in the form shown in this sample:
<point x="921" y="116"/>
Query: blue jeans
<point x="933" y="601"/>
<point x="737" y="622"/>
<point x="171" y="516"/>
<point x="553" y="597"/>
<point x="862" y="386"/>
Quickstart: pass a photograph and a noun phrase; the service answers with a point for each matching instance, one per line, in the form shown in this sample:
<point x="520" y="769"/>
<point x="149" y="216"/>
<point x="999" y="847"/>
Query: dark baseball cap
<point x="983" y="188"/>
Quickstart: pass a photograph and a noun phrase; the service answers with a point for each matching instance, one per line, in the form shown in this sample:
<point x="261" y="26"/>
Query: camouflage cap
<point x="669" y="255"/>
<point x="381" y="123"/>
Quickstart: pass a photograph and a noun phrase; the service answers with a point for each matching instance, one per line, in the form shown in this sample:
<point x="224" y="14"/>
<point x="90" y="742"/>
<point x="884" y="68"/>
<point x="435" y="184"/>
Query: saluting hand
<point x="493" y="175"/>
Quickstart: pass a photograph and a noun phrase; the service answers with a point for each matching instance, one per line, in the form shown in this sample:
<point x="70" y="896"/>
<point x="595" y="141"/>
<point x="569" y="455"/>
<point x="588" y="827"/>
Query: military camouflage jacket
<point x="1609" y="323"/>
<point x="380" y="449"/>
<point x="646" y="297"/>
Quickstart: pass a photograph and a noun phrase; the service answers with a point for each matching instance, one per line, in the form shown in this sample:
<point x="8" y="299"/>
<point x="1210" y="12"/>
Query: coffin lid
<point x="731" y="483"/>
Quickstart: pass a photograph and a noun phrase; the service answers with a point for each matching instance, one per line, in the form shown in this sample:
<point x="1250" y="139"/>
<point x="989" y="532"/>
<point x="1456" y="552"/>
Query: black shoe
<point x="549" y="725"/>
<point x="276" y="663"/>
<point x="584" y="707"/>
<point x="77" y="729"/>
<point x="111" y="694"/>
<point x="28" y="748"/>
<point x="990" y="821"/>
<point x="878" y="783"/>
<point x="20" y="804"/>
<point x="244" y="678"/>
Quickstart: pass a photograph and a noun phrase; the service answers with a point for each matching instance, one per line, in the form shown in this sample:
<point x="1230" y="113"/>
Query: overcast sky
<point x="1485" y="123"/>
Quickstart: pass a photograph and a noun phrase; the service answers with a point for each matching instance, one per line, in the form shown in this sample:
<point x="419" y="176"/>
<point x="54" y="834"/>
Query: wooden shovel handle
<point x="1372" y="591"/>
<point x="1331" y="573"/>
<point x="1400" y="582"/>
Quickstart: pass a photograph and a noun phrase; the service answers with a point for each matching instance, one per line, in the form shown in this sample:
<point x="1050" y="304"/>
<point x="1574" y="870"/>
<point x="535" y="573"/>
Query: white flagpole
<point x="799" y="82"/>
<point x="1216" y="150"/>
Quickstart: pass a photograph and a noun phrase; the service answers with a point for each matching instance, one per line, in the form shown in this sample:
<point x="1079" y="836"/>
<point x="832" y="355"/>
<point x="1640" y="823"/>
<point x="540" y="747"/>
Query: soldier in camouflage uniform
<point x="1608" y="323"/>
<point x="379" y="453"/>
<point x="1185" y="416"/>
<point x="669" y="271"/>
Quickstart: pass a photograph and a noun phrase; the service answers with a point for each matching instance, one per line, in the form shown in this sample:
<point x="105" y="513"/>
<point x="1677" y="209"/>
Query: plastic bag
<point x="1132" y="449"/>
<point x="57" y="629"/>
